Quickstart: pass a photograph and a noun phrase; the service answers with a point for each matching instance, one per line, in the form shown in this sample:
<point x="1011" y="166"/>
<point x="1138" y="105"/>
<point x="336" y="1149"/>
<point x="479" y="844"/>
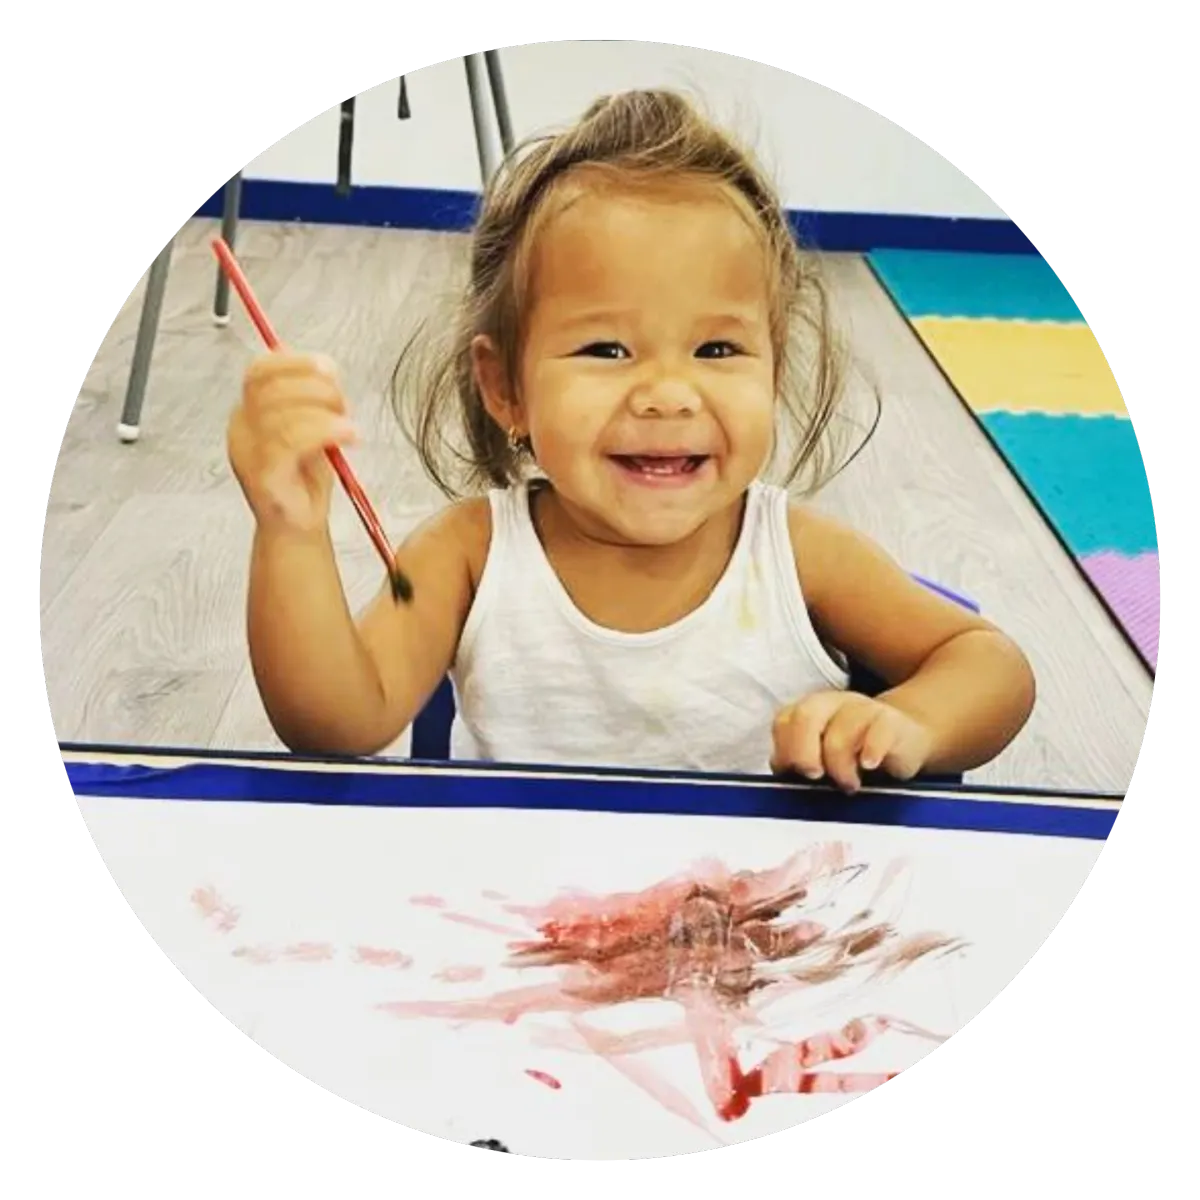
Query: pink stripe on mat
<point x="1130" y="586"/>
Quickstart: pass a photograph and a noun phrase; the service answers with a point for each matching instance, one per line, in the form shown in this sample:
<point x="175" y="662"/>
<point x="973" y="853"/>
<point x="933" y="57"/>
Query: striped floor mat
<point x="1009" y="338"/>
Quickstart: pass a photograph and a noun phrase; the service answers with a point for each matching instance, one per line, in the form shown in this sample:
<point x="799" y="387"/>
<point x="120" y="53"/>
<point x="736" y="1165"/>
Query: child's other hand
<point x="840" y="734"/>
<point x="292" y="409"/>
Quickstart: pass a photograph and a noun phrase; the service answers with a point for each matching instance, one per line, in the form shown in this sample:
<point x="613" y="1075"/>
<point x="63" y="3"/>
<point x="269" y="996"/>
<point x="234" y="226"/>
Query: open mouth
<point x="661" y="466"/>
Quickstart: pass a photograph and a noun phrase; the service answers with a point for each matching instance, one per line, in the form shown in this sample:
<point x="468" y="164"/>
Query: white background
<point x="826" y="152"/>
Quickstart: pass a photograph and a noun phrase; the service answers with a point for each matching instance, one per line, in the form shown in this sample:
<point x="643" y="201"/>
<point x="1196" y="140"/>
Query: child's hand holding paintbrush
<point x="329" y="683"/>
<point x="292" y="411"/>
<point x="289" y="430"/>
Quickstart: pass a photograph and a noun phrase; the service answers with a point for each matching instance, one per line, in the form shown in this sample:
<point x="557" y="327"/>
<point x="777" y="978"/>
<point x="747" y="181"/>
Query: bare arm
<point x="319" y="686"/>
<point x="336" y="686"/>
<point x="961" y="680"/>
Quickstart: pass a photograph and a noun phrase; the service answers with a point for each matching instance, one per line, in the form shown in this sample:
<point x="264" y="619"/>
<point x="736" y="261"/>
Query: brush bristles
<point x="401" y="587"/>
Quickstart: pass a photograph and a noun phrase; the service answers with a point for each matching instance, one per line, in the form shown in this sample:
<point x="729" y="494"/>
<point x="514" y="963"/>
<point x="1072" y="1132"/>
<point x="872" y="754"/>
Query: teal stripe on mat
<point x="1085" y="472"/>
<point x="930" y="283"/>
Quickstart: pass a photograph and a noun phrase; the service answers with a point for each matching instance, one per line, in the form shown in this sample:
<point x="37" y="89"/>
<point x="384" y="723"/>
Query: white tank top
<point x="536" y="681"/>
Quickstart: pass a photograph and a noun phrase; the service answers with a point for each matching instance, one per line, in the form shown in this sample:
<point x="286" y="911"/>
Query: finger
<point x="878" y="742"/>
<point x="283" y="363"/>
<point x="797" y="734"/>
<point x="300" y="436"/>
<point x="780" y="732"/>
<point x="295" y="392"/>
<point x="324" y="365"/>
<point x="841" y="742"/>
<point x="282" y="424"/>
<point x="903" y="760"/>
<point x="286" y="378"/>
<point x="902" y="746"/>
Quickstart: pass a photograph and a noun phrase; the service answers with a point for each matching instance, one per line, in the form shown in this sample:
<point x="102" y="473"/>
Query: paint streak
<point x="488" y="894"/>
<point x="658" y="1089"/>
<point x="427" y="901"/>
<point x="747" y="610"/>
<point x="211" y="907"/>
<point x="258" y="955"/>
<point x="302" y="952"/>
<point x="542" y="1077"/>
<point x="478" y="923"/>
<point x="715" y="943"/>
<point x="460" y="974"/>
<point x="373" y="956"/>
<point x="309" y="952"/>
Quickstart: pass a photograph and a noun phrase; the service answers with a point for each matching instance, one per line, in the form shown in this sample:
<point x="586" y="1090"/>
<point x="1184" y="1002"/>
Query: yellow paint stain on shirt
<point x="747" y="617"/>
<point x="656" y="706"/>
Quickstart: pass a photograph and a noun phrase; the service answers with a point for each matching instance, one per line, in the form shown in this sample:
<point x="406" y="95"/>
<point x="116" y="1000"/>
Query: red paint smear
<point x="715" y="943"/>
<point x="478" y="923"/>
<point x="309" y="952"/>
<point x="224" y="915"/>
<point x="542" y="1077"/>
<point x="372" y="956"/>
<point x="460" y="974"/>
<point x="303" y="952"/>
<point x="427" y="901"/>
<point x="610" y="1047"/>
<point x="507" y="1007"/>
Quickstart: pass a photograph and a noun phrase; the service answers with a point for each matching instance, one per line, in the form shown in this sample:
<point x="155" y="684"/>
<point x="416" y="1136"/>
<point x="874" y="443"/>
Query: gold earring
<point x="514" y="440"/>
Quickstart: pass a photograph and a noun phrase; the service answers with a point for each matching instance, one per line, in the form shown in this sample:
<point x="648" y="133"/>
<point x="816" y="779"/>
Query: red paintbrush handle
<point x="241" y="285"/>
<point x="337" y="459"/>
<point x="363" y="506"/>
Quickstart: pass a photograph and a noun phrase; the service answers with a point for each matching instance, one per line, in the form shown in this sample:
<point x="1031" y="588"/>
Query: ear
<point x="488" y="368"/>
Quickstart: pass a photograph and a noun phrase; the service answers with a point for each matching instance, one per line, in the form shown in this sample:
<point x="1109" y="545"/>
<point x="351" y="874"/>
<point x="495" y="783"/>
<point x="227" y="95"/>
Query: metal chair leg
<point x="489" y="156"/>
<point x="143" y="347"/>
<point x="345" y="148"/>
<point x="499" y="98"/>
<point x="229" y="223"/>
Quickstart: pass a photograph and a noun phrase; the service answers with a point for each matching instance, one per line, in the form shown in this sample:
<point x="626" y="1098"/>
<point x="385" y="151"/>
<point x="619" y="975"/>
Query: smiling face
<point x="646" y="378"/>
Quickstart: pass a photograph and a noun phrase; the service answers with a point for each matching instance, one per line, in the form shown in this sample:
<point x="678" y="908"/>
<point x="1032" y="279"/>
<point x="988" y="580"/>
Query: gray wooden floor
<point x="145" y="549"/>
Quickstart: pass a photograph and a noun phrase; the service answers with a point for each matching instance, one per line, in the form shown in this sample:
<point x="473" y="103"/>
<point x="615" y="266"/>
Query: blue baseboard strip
<point x="445" y="210"/>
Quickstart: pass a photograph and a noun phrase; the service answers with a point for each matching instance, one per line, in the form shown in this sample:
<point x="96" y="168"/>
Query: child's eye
<point x="602" y="350"/>
<point x="719" y="350"/>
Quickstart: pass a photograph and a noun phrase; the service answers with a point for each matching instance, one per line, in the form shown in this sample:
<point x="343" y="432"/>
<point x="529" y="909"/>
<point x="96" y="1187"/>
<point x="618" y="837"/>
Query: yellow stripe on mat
<point x="1023" y="366"/>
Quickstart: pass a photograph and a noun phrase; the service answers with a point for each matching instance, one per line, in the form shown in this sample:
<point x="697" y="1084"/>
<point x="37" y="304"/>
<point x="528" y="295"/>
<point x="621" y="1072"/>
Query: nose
<point x="665" y="397"/>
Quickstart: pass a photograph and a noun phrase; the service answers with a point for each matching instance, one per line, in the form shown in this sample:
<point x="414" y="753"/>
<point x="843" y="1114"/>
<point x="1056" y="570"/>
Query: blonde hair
<point x="634" y="139"/>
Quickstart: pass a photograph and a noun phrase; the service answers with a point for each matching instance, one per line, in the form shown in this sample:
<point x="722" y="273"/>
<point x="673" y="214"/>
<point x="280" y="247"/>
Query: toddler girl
<point x="638" y="338"/>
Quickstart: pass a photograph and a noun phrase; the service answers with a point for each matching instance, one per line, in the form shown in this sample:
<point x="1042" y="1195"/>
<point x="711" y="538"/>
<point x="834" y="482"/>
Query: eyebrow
<point x="743" y="319"/>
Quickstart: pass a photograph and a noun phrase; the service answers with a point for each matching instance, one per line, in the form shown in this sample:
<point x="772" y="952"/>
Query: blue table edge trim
<point x="464" y="786"/>
<point x="401" y="765"/>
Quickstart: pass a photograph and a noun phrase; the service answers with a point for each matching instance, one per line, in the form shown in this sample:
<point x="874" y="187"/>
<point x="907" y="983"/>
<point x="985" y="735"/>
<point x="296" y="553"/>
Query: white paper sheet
<point x="300" y="922"/>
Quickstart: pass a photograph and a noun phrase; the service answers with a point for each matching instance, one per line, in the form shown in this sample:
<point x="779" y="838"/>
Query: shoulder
<point x="850" y="582"/>
<point x="457" y="536"/>
<point x="838" y="565"/>
<point x="822" y="548"/>
<point x="867" y="605"/>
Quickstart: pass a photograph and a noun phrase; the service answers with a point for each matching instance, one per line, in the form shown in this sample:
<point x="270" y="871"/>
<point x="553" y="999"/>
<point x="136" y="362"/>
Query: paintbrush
<point x="401" y="586"/>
